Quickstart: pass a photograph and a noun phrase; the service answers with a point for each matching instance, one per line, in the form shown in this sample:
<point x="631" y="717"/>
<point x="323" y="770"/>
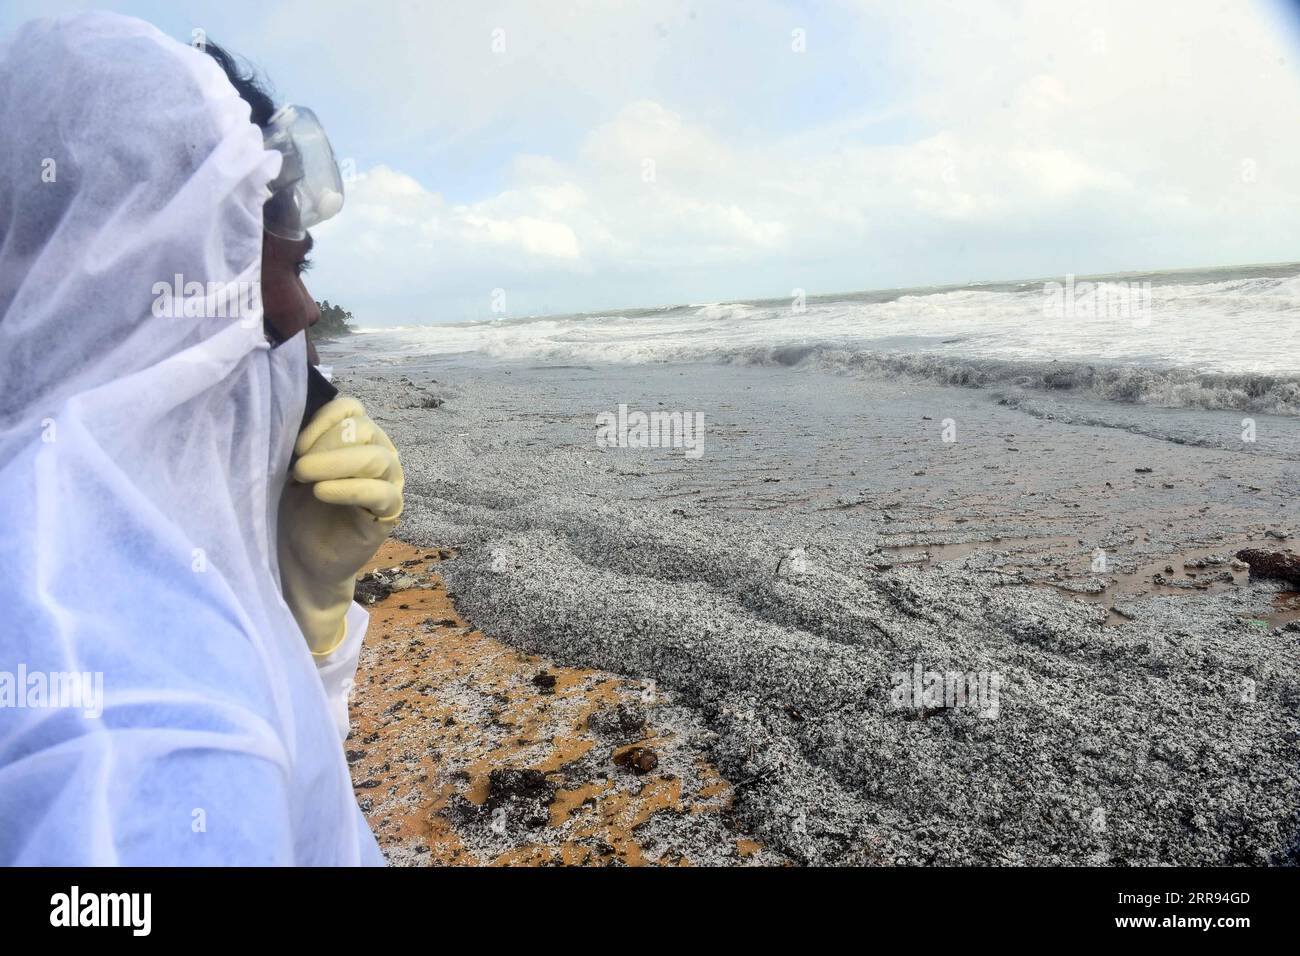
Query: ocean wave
<point x="1222" y="339"/>
<point x="725" y="311"/>
<point x="1160" y="387"/>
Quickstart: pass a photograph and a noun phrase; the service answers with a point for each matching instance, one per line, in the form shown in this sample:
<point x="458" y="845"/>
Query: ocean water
<point x="1215" y="339"/>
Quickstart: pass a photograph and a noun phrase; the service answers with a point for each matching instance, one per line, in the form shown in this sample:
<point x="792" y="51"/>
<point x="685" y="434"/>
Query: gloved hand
<point x="343" y="498"/>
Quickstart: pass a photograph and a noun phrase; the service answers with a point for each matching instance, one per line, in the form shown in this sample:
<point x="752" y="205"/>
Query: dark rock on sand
<point x="370" y="588"/>
<point x="1282" y="565"/>
<point x="637" y="759"/>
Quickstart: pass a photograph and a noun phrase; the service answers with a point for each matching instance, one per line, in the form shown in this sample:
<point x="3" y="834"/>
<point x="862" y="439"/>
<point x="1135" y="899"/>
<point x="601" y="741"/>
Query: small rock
<point x="1282" y="565"/>
<point x="371" y="587"/>
<point x="637" y="759"/>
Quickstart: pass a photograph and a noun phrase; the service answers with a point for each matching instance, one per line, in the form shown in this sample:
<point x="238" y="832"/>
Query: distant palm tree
<point x="333" y="321"/>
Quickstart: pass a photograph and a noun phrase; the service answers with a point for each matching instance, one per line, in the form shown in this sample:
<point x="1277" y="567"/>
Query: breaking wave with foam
<point x="1232" y="342"/>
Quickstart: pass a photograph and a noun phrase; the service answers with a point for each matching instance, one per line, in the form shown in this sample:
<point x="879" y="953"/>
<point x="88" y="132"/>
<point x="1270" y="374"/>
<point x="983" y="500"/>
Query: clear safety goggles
<point x="309" y="188"/>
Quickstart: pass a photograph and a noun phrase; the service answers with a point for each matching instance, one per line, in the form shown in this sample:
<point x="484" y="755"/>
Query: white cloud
<point x="1042" y="137"/>
<point x="534" y="237"/>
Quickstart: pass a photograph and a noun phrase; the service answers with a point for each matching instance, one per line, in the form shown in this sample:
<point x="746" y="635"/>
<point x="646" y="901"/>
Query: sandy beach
<point x="466" y="752"/>
<point x="771" y="604"/>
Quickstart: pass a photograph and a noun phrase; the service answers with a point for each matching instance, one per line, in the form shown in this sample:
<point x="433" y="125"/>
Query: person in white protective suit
<point x="177" y="552"/>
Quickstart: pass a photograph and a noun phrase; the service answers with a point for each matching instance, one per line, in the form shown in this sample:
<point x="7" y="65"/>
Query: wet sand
<point x="829" y="540"/>
<point x="439" y="708"/>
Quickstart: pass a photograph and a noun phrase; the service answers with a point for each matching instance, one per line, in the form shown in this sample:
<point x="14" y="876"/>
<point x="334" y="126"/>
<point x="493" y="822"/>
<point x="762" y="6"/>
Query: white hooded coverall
<point x="141" y="462"/>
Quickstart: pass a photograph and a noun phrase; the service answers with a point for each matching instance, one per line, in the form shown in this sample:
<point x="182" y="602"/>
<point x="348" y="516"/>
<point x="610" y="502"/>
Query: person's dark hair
<point x="246" y="83"/>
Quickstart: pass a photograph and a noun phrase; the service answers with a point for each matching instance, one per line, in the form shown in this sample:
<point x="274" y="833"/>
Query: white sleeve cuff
<point x="338" y="669"/>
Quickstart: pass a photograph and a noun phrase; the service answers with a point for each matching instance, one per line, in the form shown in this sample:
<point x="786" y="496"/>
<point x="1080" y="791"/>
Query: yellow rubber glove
<point x="343" y="498"/>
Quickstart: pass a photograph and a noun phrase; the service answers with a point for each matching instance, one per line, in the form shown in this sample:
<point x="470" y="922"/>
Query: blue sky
<point x="599" y="154"/>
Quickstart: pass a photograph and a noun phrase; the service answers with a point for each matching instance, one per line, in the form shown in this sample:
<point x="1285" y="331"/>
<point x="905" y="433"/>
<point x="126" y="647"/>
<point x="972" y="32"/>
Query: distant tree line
<point x="334" y="321"/>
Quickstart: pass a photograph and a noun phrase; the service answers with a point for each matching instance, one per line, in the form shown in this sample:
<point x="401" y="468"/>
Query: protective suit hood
<point x="144" y="442"/>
